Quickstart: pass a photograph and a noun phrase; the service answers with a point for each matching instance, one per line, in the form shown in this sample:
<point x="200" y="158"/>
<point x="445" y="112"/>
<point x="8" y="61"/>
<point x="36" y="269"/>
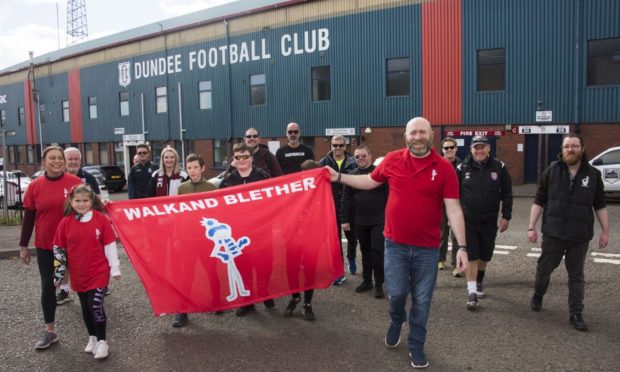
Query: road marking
<point x="501" y="252"/>
<point x="533" y="254"/>
<point x="536" y="249"/>
<point x="612" y="255"/>
<point x="506" y="246"/>
<point x="606" y="260"/>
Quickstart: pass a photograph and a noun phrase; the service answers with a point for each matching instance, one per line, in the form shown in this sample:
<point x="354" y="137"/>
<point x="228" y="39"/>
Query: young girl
<point x="86" y="240"/>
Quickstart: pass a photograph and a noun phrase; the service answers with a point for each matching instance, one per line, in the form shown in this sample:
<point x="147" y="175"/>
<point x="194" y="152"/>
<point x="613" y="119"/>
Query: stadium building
<point x="521" y="71"/>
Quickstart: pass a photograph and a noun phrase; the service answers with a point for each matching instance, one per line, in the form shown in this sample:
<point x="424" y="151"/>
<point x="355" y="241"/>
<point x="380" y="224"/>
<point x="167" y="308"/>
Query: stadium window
<point x="103" y="154"/>
<point x="604" y="62"/>
<point x="21" y="116"/>
<point x="257" y="90"/>
<point x="65" y="111"/>
<point x="491" y="70"/>
<point x="161" y="94"/>
<point x="219" y="153"/>
<point x="92" y="107"/>
<point x="2" y="118"/>
<point x="397" y="77"/>
<point x="88" y="152"/>
<point x="321" y="83"/>
<point x="30" y="154"/>
<point x="205" y="95"/>
<point x="123" y="100"/>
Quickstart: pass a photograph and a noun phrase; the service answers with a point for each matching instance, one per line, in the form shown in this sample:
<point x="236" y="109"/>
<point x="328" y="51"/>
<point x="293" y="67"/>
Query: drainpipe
<point x="578" y="48"/>
<point x="228" y="73"/>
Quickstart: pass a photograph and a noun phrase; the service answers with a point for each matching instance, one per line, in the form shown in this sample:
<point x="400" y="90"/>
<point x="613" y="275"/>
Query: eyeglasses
<point x="449" y="147"/>
<point x="362" y="156"/>
<point x="142" y="153"/>
<point x="251" y="136"/>
<point x="337" y="144"/>
<point x="293" y="132"/>
<point x="242" y="157"/>
<point x="571" y="147"/>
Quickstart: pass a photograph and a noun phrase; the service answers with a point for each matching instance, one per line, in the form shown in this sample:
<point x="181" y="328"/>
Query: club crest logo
<point x="494" y="176"/>
<point x="585" y="181"/>
<point x="124" y="74"/>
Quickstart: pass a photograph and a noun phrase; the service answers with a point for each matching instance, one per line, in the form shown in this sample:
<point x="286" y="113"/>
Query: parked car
<point x="112" y="175"/>
<point x="608" y="162"/>
<point x="13" y="197"/>
<point x="215" y="181"/>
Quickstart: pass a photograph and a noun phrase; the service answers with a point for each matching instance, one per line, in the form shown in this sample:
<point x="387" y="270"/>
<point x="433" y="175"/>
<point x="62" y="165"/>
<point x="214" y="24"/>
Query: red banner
<point x="232" y="247"/>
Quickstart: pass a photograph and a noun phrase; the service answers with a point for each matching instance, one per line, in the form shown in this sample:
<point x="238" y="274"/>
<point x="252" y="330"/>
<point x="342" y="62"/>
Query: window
<point x="604" y="62"/>
<point x="491" y="70"/>
<point x="321" y="84"/>
<point x="219" y="153"/>
<point x="88" y="151"/>
<point x="612" y="157"/>
<point x="119" y="153"/>
<point x="21" y="116"/>
<point x="204" y="95"/>
<point x="11" y="150"/>
<point x="2" y="118"/>
<point x="257" y="90"/>
<point x="30" y="154"/>
<point x="103" y="154"/>
<point x="397" y="77"/>
<point x="162" y="99"/>
<point x="65" y="111"/>
<point x="123" y="99"/>
<point x="42" y="115"/>
<point x="92" y="107"/>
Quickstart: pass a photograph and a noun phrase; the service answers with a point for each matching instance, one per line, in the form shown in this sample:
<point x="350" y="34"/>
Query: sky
<point x="32" y="25"/>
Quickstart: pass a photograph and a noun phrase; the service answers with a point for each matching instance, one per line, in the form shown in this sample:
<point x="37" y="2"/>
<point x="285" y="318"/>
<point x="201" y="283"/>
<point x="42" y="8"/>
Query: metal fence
<point x="11" y="200"/>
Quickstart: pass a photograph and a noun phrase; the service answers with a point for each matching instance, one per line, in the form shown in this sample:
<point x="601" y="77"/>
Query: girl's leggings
<point x="93" y="312"/>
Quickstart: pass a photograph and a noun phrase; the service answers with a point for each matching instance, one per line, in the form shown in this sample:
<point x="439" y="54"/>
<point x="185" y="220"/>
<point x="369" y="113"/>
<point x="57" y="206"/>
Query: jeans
<point x="410" y="269"/>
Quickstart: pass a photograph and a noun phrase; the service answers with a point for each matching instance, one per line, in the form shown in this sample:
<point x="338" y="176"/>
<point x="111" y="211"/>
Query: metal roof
<point x="227" y="11"/>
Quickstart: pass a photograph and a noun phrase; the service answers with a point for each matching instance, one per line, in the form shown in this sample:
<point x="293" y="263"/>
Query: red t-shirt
<point x="85" y="242"/>
<point x="47" y="198"/>
<point x="417" y="189"/>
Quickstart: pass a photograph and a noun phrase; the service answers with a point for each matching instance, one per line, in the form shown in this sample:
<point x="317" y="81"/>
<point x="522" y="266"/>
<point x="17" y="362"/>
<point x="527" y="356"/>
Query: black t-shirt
<point x="290" y="159"/>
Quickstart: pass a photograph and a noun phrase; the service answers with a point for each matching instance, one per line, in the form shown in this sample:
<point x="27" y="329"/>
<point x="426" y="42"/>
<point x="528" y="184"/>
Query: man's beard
<point x="425" y="150"/>
<point x="572" y="159"/>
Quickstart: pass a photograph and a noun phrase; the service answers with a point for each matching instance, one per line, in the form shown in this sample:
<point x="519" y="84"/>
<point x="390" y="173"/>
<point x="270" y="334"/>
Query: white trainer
<point x="92" y="342"/>
<point x="101" y="350"/>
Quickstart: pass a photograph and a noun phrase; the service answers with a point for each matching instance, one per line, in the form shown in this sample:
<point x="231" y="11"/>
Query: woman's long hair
<point x="162" y="167"/>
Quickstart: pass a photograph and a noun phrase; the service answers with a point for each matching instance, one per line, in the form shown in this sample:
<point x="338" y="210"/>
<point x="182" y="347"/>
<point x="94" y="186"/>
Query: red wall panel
<point x="75" y="106"/>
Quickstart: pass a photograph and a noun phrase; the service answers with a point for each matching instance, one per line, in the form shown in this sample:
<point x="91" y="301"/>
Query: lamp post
<point x="4" y="134"/>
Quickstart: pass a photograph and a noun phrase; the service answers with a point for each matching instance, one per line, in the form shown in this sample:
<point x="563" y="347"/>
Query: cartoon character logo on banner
<point x="226" y="249"/>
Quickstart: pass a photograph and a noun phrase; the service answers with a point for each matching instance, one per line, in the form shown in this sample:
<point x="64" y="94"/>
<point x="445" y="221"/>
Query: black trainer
<point x="308" y="313"/>
<point x="292" y="304"/>
<point x="46" y="340"/>
<point x="62" y="297"/>
<point x="392" y="336"/>
<point x="472" y="302"/>
<point x="577" y="321"/>
<point x="179" y="320"/>
<point x="269" y="304"/>
<point x="379" y="291"/>
<point x="365" y="286"/>
<point x="479" y="290"/>
<point x="536" y="303"/>
<point x="244" y="310"/>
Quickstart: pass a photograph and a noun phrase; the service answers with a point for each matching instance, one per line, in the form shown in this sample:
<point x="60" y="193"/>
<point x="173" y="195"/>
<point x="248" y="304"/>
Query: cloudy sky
<point x="33" y="25"/>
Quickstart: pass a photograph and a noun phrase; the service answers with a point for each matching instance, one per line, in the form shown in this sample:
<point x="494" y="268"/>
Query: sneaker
<point x="340" y="280"/>
<point x="420" y="361"/>
<point x="456" y="273"/>
<point x="392" y="337"/>
<point x="62" y="297"/>
<point x="379" y="291"/>
<point x="292" y="304"/>
<point x="244" y="310"/>
<point x="92" y="342"/>
<point x="179" y="320"/>
<point x="352" y="267"/>
<point x="365" y="286"/>
<point x="472" y="302"/>
<point x="269" y="304"/>
<point x="106" y="291"/>
<point x="479" y="290"/>
<point x="101" y="349"/>
<point x="536" y="303"/>
<point x="308" y="313"/>
<point x="577" y="321"/>
<point x="46" y="340"/>
<point x="441" y="265"/>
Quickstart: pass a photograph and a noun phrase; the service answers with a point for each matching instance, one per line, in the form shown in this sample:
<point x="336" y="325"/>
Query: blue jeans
<point x="410" y="269"/>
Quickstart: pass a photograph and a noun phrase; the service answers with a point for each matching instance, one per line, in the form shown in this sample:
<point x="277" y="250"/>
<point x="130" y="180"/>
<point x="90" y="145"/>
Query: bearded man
<point x="569" y="193"/>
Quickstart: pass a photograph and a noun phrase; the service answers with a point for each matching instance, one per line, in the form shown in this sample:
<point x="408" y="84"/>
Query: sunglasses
<point x="142" y="152"/>
<point x="361" y="157"/>
<point x="242" y="157"/>
<point x="293" y="131"/>
<point x="337" y="144"/>
<point x="449" y="147"/>
<point x="251" y="136"/>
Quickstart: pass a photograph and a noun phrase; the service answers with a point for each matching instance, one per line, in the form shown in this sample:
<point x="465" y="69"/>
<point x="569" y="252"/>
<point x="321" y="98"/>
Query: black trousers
<point x="446" y="232"/>
<point x="45" y="261"/>
<point x="351" y="239"/>
<point x="93" y="312"/>
<point x="574" y="253"/>
<point x="372" y="245"/>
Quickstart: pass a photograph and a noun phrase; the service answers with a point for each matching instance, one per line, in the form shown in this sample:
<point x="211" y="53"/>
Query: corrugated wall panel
<point x="441" y="62"/>
<point x="31" y="132"/>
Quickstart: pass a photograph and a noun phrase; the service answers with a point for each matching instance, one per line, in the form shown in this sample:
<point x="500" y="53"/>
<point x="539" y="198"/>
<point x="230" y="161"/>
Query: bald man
<point x="291" y="155"/>
<point x="420" y="182"/>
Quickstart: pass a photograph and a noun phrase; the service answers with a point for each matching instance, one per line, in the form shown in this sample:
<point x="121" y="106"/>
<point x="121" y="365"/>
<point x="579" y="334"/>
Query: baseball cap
<point x="479" y="140"/>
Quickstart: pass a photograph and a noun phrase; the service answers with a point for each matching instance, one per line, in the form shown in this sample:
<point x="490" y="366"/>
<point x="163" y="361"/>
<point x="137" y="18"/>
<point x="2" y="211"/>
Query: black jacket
<point x="483" y="186"/>
<point x="567" y="212"/>
<point x="264" y="160"/>
<point x="139" y="180"/>
<point x="364" y="207"/>
<point x="348" y="165"/>
<point x="234" y="178"/>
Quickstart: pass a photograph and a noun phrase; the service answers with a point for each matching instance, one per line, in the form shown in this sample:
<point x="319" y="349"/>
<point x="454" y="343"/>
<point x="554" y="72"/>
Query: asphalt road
<point x="348" y="333"/>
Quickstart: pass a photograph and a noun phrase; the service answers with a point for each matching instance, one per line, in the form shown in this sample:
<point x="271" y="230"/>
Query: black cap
<point x="479" y="140"/>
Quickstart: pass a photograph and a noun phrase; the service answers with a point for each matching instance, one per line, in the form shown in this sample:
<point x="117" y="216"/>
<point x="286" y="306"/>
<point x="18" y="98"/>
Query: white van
<point x="608" y="162"/>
